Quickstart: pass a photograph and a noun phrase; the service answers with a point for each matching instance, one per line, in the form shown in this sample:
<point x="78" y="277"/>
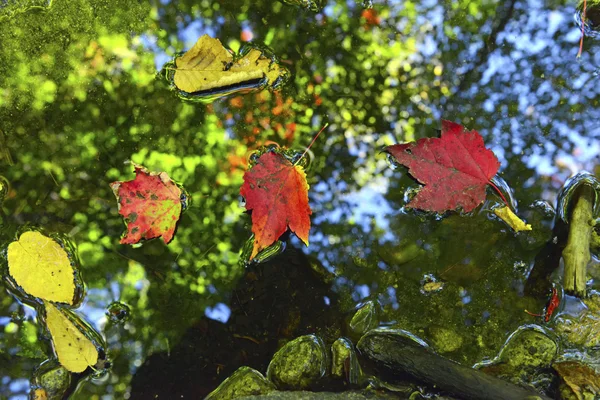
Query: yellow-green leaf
<point x="210" y="66"/>
<point x="254" y="61"/>
<point x="508" y="216"/>
<point x="42" y="267"/>
<point x="75" y="351"/>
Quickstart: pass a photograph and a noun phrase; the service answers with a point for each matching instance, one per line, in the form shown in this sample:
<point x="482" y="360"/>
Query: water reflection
<point x="81" y="97"/>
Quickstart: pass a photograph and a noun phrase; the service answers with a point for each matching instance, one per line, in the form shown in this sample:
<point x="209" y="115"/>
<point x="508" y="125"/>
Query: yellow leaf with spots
<point x="42" y="267"/>
<point x="508" y="216"/>
<point x="75" y="351"/>
<point x="210" y="66"/>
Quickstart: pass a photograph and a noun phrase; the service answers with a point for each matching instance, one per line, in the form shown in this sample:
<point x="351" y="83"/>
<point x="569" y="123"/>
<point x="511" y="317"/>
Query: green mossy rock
<point x="53" y="378"/>
<point x="344" y="363"/>
<point x="528" y="348"/>
<point x="525" y="358"/>
<point x="243" y="382"/>
<point x="365" y="318"/>
<point x="362" y="395"/>
<point x="299" y="364"/>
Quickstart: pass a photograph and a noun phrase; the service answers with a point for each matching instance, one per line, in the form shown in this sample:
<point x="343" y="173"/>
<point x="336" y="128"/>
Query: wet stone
<point x="525" y="357"/>
<point x="52" y="379"/>
<point x="398" y="354"/>
<point x="299" y="364"/>
<point x="357" y="395"/>
<point x="245" y="381"/>
<point x="365" y="318"/>
<point x="529" y="348"/>
<point x="344" y="363"/>
<point x="582" y="330"/>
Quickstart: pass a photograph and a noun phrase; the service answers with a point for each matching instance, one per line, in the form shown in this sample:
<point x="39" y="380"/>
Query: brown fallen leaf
<point x="209" y="66"/>
<point x="581" y="381"/>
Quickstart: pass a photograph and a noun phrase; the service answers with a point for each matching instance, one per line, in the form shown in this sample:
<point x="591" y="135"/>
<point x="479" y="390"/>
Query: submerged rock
<point x="51" y="381"/>
<point x="344" y="363"/>
<point x="243" y="382"/>
<point x="365" y="318"/>
<point x="525" y="358"/>
<point x="299" y="364"/>
<point x="397" y="354"/>
<point x="529" y="348"/>
<point x="583" y="330"/>
<point x="362" y="395"/>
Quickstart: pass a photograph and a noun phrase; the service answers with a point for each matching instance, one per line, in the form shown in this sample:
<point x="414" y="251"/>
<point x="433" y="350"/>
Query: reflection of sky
<point x="533" y="32"/>
<point x="220" y="312"/>
<point x="537" y="35"/>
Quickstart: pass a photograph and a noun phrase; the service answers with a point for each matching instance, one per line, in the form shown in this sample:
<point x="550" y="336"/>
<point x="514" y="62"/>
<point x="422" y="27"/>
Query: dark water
<point x="81" y="94"/>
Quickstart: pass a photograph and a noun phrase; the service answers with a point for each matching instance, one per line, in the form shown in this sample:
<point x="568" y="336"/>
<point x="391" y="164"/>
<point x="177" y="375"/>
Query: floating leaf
<point x="151" y="205"/>
<point x="508" y="216"/>
<point x="277" y="193"/>
<point x="42" y="267"/>
<point x="210" y="66"/>
<point x="455" y="168"/>
<point x="75" y="351"/>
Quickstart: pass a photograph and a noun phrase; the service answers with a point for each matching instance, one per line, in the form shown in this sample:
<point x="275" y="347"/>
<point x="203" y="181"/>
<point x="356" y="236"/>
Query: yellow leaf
<point x="42" y="267"/>
<point x="255" y="61"/>
<point x="210" y="66"/>
<point x="506" y="214"/>
<point x="74" y="350"/>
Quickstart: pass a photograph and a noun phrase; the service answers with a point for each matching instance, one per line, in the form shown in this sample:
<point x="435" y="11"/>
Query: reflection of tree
<point x="79" y="96"/>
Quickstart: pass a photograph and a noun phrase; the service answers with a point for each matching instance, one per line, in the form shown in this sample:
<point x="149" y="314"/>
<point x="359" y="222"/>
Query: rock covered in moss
<point x="529" y="348"/>
<point x="582" y="330"/>
<point x="52" y="379"/>
<point x="299" y="364"/>
<point x="344" y="363"/>
<point x="244" y="381"/>
<point x="354" y="395"/>
<point x="365" y="318"/>
<point x="525" y="358"/>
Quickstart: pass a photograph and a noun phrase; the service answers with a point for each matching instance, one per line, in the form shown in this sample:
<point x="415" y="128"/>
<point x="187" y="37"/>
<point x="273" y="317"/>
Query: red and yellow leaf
<point x="277" y="193"/>
<point x="455" y="168"/>
<point x="151" y="205"/>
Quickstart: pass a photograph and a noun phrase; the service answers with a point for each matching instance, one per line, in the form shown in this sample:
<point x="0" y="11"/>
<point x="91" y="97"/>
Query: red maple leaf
<point x="455" y="168"/>
<point x="277" y="193"/>
<point x="151" y="205"/>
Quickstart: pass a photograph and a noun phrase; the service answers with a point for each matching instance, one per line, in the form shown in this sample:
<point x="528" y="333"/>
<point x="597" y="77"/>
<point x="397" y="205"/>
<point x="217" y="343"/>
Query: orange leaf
<point x="277" y="193"/>
<point x="151" y="205"/>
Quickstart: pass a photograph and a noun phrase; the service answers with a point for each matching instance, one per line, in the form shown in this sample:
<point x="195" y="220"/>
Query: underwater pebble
<point x="244" y="381"/>
<point x="299" y="364"/>
<point x="344" y="363"/>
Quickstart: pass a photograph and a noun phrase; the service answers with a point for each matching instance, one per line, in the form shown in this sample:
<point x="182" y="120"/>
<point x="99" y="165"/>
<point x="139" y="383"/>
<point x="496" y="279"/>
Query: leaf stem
<point x="582" y="28"/>
<point x="311" y="143"/>
<point x="500" y="193"/>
